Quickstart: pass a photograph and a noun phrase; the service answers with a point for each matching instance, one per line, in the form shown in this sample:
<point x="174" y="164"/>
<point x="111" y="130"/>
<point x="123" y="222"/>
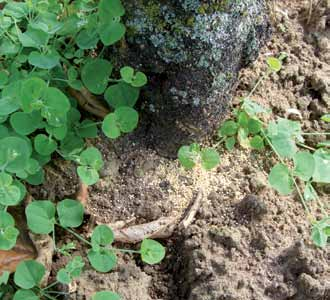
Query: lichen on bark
<point x="193" y="51"/>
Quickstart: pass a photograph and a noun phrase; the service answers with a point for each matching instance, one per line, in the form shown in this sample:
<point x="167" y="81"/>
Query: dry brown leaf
<point x="24" y="249"/>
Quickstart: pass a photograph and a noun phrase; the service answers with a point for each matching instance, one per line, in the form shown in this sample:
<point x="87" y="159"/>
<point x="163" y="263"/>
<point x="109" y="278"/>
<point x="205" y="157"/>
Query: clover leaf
<point x="8" y="232"/>
<point x="105" y="295"/>
<point x="70" y="213"/>
<point x="280" y="179"/>
<point x="40" y="216"/>
<point x="29" y="274"/>
<point x="152" y="252"/>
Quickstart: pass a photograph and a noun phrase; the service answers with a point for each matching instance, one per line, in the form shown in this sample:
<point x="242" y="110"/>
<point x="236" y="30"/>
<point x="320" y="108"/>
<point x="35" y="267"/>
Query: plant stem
<point x="264" y="76"/>
<point x="305" y="146"/>
<point x="78" y="236"/>
<point x="50" y="286"/>
<point x="126" y="250"/>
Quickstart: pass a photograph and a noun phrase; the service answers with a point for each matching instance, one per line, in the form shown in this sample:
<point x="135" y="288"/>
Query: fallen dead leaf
<point x="24" y="249"/>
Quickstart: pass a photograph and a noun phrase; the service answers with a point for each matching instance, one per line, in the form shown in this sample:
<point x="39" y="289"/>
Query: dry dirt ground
<point x="246" y="241"/>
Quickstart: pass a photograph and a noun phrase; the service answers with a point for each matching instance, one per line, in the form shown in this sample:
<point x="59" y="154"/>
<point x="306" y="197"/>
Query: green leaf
<point x="228" y="128"/>
<point x="127" y="118"/>
<point x="7" y="47"/>
<point x="87" y="129"/>
<point x="309" y="192"/>
<point x="243" y="119"/>
<point x="44" y="61"/>
<point x="29" y="274"/>
<point x="242" y="137"/>
<point x="326" y="118"/>
<point x="88" y="175"/>
<point x="14" y="153"/>
<point x="102" y="236"/>
<point x="105" y="295"/>
<point x="319" y="237"/>
<point x="91" y="157"/>
<point x="324" y="144"/>
<point x="127" y="74"/>
<point x="189" y="155"/>
<point x="37" y="178"/>
<point x="230" y="143"/>
<point x="284" y="146"/>
<point x="44" y="145"/>
<point x="4" y="78"/>
<point x="210" y="158"/>
<point x="32" y="91"/>
<point x="257" y="143"/>
<point x="254" y="126"/>
<point x="111" y="32"/>
<point x="71" y="145"/>
<point x="33" y="38"/>
<point x="304" y="165"/>
<point x="56" y="106"/>
<point x="8" y="232"/>
<point x="152" y="252"/>
<point x="280" y="179"/>
<point x="25" y="295"/>
<point x="17" y="10"/>
<point x="58" y="132"/>
<point x="10" y="194"/>
<point x="25" y="123"/>
<point x="124" y="119"/>
<point x="63" y="276"/>
<point x="274" y="64"/>
<point x="139" y="80"/>
<point x="40" y="216"/>
<point x="110" y="8"/>
<point x="95" y="75"/>
<point x="4" y="277"/>
<point x="322" y="166"/>
<point x="121" y="94"/>
<point x="110" y="126"/>
<point x="72" y="270"/>
<point x="102" y="261"/>
<point x="10" y="100"/>
<point x="87" y="39"/>
<point x="70" y="213"/>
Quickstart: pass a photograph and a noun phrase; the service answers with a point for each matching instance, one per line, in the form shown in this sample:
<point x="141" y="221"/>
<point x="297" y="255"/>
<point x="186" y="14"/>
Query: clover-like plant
<point x="42" y="218"/>
<point x="55" y="81"/>
<point x="299" y="165"/>
<point x="193" y="155"/>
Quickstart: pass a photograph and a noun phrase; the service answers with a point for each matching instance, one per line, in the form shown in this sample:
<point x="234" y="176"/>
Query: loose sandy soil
<point x="246" y="241"/>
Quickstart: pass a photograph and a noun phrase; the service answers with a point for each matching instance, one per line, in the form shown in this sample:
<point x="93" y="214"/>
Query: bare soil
<point x="246" y="242"/>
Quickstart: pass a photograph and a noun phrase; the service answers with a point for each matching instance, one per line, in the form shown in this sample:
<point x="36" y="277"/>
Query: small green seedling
<point x="190" y="156"/>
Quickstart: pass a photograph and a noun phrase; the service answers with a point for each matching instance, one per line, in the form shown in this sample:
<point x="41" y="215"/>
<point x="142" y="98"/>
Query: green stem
<point x="126" y="250"/>
<point x="114" y="80"/>
<point x="78" y="236"/>
<point x="50" y="286"/>
<point x="49" y="297"/>
<point x="90" y="125"/>
<point x="220" y="142"/>
<point x="305" y="146"/>
<point x="264" y="76"/>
